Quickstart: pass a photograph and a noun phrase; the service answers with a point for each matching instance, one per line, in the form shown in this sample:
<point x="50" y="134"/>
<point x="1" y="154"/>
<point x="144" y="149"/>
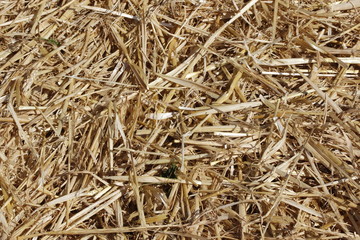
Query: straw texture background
<point x="189" y="119"/>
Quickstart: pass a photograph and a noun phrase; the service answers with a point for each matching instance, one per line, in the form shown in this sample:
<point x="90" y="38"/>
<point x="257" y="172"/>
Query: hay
<point x="185" y="119"/>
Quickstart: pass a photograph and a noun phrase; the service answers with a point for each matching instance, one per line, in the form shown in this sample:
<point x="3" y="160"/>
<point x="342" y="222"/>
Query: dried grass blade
<point x="225" y="108"/>
<point x="302" y="207"/>
<point x="137" y="71"/>
<point x="190" y="84"/>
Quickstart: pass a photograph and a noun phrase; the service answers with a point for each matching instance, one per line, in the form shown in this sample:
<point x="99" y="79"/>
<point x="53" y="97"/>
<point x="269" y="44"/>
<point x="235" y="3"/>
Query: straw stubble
<point x="179" y="119"/>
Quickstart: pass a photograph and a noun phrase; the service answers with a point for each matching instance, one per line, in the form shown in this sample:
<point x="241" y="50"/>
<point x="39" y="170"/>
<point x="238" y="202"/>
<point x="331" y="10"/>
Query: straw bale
<point x="189" y="119"/>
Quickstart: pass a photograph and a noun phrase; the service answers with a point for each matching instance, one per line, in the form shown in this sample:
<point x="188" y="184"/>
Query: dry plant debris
<point x="189" y="119"/>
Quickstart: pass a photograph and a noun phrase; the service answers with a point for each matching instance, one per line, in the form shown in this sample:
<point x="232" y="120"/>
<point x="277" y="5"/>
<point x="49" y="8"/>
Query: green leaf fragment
<point x="51" y="41"/>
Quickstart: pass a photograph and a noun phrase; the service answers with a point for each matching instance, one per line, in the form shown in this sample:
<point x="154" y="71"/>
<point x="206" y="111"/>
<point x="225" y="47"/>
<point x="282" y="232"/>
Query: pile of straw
<point x="188" y="119"/>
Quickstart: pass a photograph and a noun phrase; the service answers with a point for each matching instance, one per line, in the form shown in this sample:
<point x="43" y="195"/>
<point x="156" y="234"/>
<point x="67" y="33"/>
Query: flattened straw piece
<point x="299" y="94"/>
<point x="97" y="209"/>
<point x="226" y="108"/>
<point x="349" y="51"/>
<point x="120" y="128"/>
<point x="332" y="159"/>
<point x="214" y="194"/>
<point x="336" y="182"/>
<point x="175" y="71"/>
<point x="98" y="231"/>
<point x="3" y="156"/>
<point x="275" y="19"/>
<point x="300" y="61"/>
<point x="349" y="75"/>
<point x="143" y="152"/>
<point x="282" y="173"/>
<point x="187" y="83"/>
<point x="137" y="71"/>
<point x="156" y="218"/>
<point x="197" y="30"/>
<point x="20" y="54"/>
<point x="234" y="83"/>
<point x="274" y="147"/>
<point x="230" y="134"/>
<point x="217" y="33"/>
<point x="67" y="71"/>
<point x="111" y="12"/>
<point x="347" y="204"/>
<point x="92" y="209"/>
<point x="169" y="160"/>
<point x="184" y="235"/>
<point x="68" y="197"/>
<point x="64" y="17"/>
<point x="155" y="22"/>
<point x="5" y="226"/>
<point x="143" y="46"/>
<point x="8" y="196"/>
<point x="161" y="116"/>
<point x="37" y="17"/>
<point x="24" y="226"/>
<point x="204" y="143"/>
<point x="271" y="83"/>
<point x="154" y="180"/>
<point x="134" y="181"/>
<point x="22" y="133"/>
<point x="58" y="49"/>
<point x="219" y="128"/>
<point x="94" y="176"/>
<point x="29" y="17"/>
<point x="341" y="34"/>
<point x="8" y="119"/>
<point x="345" y="5"/>
<point x="189" y="133"/>
<point x="318" y="90"/>
<point x="346" y="126"/>
<point x="322" y="50"/>
<point x="27" y="108"/>
<point x="326" y="191"/>
<point x="301" y="207"/>
<point x="326" y="157"/>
